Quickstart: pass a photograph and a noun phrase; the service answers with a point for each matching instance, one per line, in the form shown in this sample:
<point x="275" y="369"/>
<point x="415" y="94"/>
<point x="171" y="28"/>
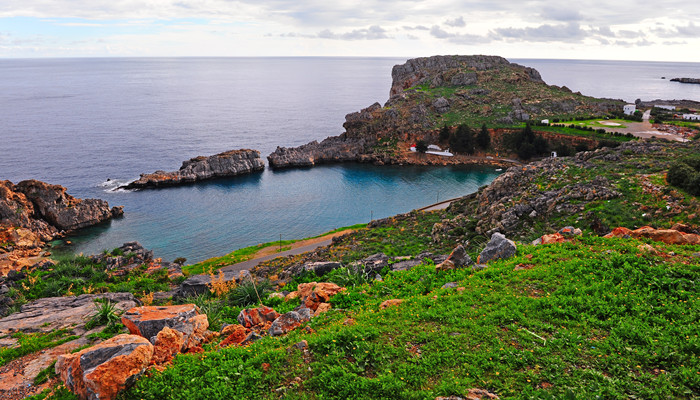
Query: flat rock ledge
<point x="222" y="165"/>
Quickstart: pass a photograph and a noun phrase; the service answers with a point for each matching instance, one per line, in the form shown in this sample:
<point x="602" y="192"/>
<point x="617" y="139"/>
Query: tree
<point x="421" y="146"/>
<point x="483" y="139"/>
<point x="462" y="141"/>
<point x="444" y="133"/>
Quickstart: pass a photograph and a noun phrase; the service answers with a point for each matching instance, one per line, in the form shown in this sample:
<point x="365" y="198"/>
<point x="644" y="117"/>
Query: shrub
<point x="249" y="292"/>
<point x="421" y="146"/>
<point x="106" y="314"/>
<point x="685" y="174"/>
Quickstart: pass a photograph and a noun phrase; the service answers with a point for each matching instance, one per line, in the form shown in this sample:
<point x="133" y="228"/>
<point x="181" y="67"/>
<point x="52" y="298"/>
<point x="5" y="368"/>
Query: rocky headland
<point x="686" y="80"/>
<point x="34" y="212"/>
<point x="429" y="93"/>
<point x="226" y="164"/>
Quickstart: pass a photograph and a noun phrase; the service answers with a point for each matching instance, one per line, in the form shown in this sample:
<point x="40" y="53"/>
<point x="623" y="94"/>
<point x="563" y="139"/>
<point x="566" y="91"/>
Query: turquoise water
<point x="211" y="218"/>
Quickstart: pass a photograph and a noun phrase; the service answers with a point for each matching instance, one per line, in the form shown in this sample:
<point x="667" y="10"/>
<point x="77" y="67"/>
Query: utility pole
<point x="280" y="242"/>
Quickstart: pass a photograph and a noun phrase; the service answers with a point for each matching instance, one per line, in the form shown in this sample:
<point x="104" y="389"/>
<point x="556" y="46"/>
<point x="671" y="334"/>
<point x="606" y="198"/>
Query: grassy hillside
<point x="597" y="317"/>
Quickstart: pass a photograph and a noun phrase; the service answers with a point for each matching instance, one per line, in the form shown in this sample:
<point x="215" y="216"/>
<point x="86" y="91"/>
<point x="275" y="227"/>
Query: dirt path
<point x="272" y="252"/>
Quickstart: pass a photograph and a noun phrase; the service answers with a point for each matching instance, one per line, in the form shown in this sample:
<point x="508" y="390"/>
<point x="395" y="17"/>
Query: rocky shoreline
<point x="34" y="212"/>
<point x="222" y="165"/>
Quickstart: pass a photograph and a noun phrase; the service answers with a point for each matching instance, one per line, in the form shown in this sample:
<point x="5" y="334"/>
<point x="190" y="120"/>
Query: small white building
<point x="629" y="109"/>
<point x="665" y="107"/>
<point x="545" y="121"/>
<point x="691" y="117"/>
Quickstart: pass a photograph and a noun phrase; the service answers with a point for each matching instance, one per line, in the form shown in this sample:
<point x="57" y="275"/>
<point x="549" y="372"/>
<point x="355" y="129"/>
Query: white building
<point x="545" y="121"/>
<point x="629" y="109"/>
<point x="691" y="117"/>
<point x="665" y="107"/>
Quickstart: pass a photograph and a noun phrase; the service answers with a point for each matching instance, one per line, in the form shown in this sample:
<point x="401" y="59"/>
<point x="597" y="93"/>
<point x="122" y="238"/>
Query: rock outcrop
<point x="226" y="164"/>
<point x="149" y="321"/>
<point x="34" y="212"/>
<point x="100" y="372"/>
<point x="498" y="247"/>
<point x="422" y="91"/>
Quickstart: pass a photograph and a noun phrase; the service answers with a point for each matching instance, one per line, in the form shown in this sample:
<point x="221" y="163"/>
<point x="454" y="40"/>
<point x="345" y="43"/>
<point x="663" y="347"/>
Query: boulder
<point x="312" y="294"/>
<point x="100" y="372"/>
<point x="53" y="313"/>
<point x="569" y="231"/>
<point x="390" y="303"/>
<point x="322" y="267"/>
<point x="168" y="344"/>
<point x="323" y="307"/>
<point x="226" y="164"/>
<point x="148" y="321"/>
<point x="287" y="322"/>
<point x="458" y="258"/>
<point x="253" y="317"/>
<point x="235" y="334"/>
<point x="498" y="247"/>
<point x="553" y="238"/>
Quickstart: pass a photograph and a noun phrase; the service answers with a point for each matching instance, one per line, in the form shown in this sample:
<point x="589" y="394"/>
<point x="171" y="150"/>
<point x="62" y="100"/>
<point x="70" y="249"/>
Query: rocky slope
<point x="226" y="164"/>
<point x="33" y="212"/>
<point x="427" y="93"/>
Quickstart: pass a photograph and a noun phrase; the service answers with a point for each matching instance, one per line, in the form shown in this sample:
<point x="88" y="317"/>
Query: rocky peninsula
<point x="429" y="93"/>
<point x="226" y="164"/>
<point x="34" y="212"/>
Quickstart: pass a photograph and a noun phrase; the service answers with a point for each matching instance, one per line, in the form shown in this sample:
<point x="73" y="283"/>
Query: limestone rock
<point x="498" y="247"/>
<point x="235" y="334"/>
<point x="251" y="317"/>
<point x="148" y="321"/>
<point x="287" y="322"/>
<point x="168" y="344"/>
<point x="668" y="236"/>
<point x="313" y="294"/>
<point x="552" y="238"/>
<point x="52" y="313"/>
<point x="458" y="258"/>
<point x="322" y="267"/>
<point x="102" y="371"/>
<point x="226" y="164"/>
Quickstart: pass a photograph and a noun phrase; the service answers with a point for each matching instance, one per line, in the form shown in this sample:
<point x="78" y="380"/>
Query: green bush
<point x="685" y="174"/>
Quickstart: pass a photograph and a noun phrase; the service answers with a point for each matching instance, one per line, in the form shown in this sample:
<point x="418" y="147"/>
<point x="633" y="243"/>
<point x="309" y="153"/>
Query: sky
<point x="585" y="29"/>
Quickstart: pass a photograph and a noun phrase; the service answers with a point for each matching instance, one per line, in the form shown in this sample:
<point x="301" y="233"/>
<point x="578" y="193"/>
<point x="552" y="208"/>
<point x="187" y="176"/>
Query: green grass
<point x="29" y="343"/>
<point x="247" y="253"/>
<point x="592" y="318"/>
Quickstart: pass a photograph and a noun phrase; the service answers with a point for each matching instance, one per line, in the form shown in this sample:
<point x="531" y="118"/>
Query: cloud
<point x="457" y="38"/>
<point x="561" y="14"/>
<point x="688" y="31"/>
<point x="571" y="32"/>
<point x="374" y="32"/>
<point x="416" y="28"/>
<point x="457" y="22"/>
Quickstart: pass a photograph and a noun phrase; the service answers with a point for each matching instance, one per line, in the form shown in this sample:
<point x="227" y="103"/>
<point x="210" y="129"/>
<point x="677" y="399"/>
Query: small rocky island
<point x="686" y="80"/>
<point x="226" y="164"/>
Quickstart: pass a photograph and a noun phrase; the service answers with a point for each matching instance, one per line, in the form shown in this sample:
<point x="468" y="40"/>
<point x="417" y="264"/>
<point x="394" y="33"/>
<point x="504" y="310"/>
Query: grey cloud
<point x="457" y="38"/>
<point x="562" y="14"/>
<point x="457" y="22"/>
<point x="690" y="31"/>
<point x="416" y="28"/>
<point x="570" y="32"/>
<point x="374" y="32"/>
<point x="437" y="32"/>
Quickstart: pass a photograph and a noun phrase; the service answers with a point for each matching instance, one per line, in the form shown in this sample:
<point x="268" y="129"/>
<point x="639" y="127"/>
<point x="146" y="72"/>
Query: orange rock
<point x="102" y="371"/>
<point x="236" y="334"/>
<point x="323" y="307"/>
<point x="291" y="296"/>
<point x="619" y="232"/>
<point x="648" y="248"/>
<point x="553" y="238"/>
<point x="169" y="343"/>
<point x="390" y="303"/>
<point x="312" y="294"/>
<point x="480" y="394"/>
<point x="149" y="320"/>
<point x="251" y="317"/>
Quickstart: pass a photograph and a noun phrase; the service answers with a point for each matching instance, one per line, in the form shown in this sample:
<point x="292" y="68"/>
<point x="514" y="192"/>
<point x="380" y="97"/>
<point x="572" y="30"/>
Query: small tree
<point x="444" y="133"/>
<point x="463" y="140"/>
<point x="421" y="146"/>
<point x="483" y="139"/>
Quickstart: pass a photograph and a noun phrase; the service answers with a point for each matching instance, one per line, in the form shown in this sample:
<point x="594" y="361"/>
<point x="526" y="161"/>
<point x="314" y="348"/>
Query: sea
<point x="92" y="124"/>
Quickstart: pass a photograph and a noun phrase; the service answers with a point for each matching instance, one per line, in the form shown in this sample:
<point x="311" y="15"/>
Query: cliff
<point x="33" y="212"/>
<point x="429" y="93"/>
<point x="226" y="164"/>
